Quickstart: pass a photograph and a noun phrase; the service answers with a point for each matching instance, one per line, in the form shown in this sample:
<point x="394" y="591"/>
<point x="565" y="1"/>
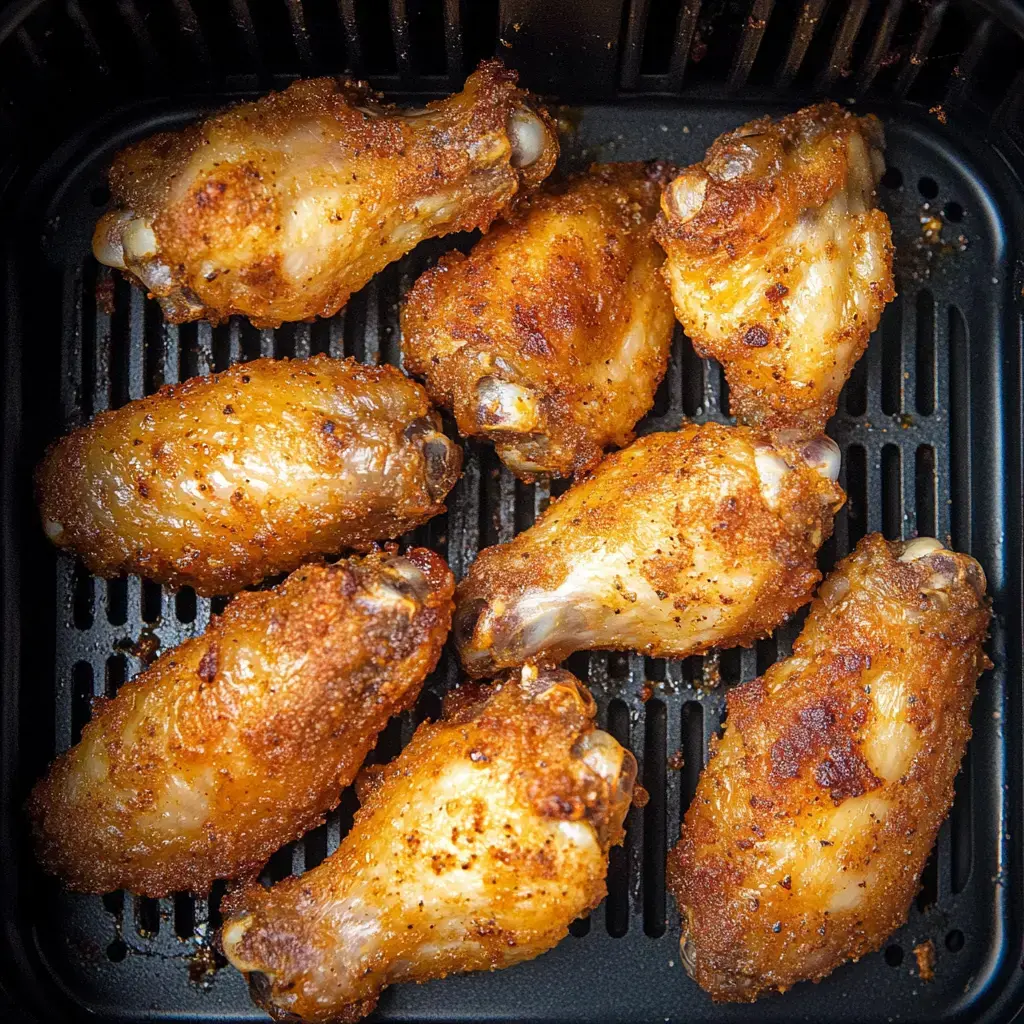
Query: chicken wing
<point x="475" y="849"/>
<point x="552" y="336"/>
<point x="805" y="842"/>
<point x="281" y="208"/>
<point x="224" y="480"/>
<point x="681" y="542"/>
<point x="239" y="740"/>
<point x="778" y="264"/>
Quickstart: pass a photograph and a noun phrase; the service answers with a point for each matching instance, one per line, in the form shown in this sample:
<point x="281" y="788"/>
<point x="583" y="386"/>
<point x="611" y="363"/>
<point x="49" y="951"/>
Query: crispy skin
<point x="240" y="740"/>
<point x="224" y="480"/>
<point x="552" y="336"/>
<point x="281" y="208"/>
<point x="779" y="266"/>
<point x="805" y="842"/>
<point x="475" y="849"/>
<point x="683" y="541"/>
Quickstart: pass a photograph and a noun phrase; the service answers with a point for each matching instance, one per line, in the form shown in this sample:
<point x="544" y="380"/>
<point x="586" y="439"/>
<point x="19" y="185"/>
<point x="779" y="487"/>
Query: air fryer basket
<point x="929" y="425"/>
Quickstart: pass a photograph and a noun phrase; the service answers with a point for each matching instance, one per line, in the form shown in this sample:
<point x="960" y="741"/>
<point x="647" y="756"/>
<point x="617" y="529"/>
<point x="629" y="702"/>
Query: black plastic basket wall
<point x="929" y="425"/>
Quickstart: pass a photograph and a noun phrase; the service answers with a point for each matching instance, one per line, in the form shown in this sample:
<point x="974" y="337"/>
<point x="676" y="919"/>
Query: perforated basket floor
<point x="927" y="428"/>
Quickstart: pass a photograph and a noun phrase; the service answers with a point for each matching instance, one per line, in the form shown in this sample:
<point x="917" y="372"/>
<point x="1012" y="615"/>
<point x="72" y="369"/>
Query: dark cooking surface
<point x="929" y="427"/>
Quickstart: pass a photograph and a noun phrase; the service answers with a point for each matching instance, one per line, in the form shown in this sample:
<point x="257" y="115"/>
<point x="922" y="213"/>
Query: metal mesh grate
<point x="920" y="453"/>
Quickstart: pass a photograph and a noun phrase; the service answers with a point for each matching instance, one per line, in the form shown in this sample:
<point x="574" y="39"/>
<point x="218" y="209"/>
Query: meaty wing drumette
<point x="224" y="480"/>
<point x="681" y="542"/>
<point x="812" y="822"/>
<point x="281" y="208"/>
<point x="475" y="849"/>
<point x="778" y="263"/>
<point x="551" y="337"/>
<point x="238" y="741"/>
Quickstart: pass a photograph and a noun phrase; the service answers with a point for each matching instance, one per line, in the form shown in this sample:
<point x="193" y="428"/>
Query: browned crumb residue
<point x="925" y="954"/>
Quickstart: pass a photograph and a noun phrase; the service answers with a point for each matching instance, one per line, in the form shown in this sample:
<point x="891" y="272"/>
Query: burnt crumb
<point x="228" y="410"/>
<point x="776" y="292"/>
<point x="640" y="796"/>
<point x="925" y="955"/>
<point x="755" y="337"/>
<point x="146" y="647"/>
<point x="207" y="669"/>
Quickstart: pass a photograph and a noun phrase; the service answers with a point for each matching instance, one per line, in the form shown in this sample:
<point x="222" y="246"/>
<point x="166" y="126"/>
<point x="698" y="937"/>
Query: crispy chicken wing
<point x="805" y="842"/>
<point x="681" y="542"/>
<point x="240" y="740"/>
<point x="224" y="480"/>
<point x="475" y="849"/>
<point x="552" y="336"/>
<point x="281" y="208"/>
<point x="778" y="263"/>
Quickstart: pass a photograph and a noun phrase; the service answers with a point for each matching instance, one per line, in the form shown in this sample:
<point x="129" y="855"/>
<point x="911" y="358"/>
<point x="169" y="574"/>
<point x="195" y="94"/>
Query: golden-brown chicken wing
<point x="281" y="208"/>
<point x="551" y="337"/>
<point x="778" y="263"/>
<point x="681" y="542"/>
<point x="475" y="849"/>
<point x="224" y="480"/>
<point x="240" y="740"/>
<point x="805" y="842"/>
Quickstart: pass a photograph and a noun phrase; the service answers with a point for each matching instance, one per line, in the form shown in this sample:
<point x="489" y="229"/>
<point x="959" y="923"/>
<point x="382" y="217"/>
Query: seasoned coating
<point x="281" y="208"/>
<point x="224" y="480"/>
<point x="240" y="740"/>
<point x="682" y="542"/>
<point x="475" y="849"/>
<point x="778" y="263"/>
<point x="552" y="336"/>
<point x="805" y="842"/>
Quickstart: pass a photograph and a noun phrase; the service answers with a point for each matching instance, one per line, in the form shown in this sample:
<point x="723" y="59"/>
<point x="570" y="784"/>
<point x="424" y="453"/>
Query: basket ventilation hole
<point x="117" y="951"/>
<point x="894" y="955"/>
<point x="892" y="178"/>
<point x="955" y="940"/>
<point x="100" y="195"/>
<point x="927" y="187"/>
<point x="953" y="212"/>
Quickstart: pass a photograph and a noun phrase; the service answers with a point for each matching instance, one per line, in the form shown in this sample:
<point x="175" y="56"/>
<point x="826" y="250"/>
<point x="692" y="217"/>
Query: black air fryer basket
<point x="929" y="425"/>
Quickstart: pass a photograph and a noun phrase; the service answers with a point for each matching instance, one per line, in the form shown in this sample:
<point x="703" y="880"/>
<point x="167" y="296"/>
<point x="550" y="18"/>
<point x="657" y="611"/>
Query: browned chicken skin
<point x="778" y="263"/>
<point x="705" y="537"/>
<point x="224" y="480"/>
<point x="475" y="849"/>
<point x="552" y="336"/>
<point x="280" y="209"/>
<point x="240" y="740"/>
<point x="805" y="842"/>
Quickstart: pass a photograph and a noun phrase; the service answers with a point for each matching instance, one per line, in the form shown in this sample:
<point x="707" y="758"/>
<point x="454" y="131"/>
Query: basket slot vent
<point x="300" y="33"/>
<point x="115" y="673"/>
<point x="838" y="65"/>
<point x="924" y="355"/>
<point x="891" y="358"/>
<point x="921" y="48"/>
<point x="617" y="904"/>
<point x="400" y="36"/>
<point x="964" y="70"/>
<point x="81" y="23"/>
<point x="803" y="33"/>
<point x="655" y="848"/>
<point x="960" y="429"/>
<point x="879" y="48"/>
<point x="242" y="17"/>
<point x="151" y="57"/>
<point x="81" y="698"/>
<point x="961" y="826"/>
<point x="892" y="493"/>
<point x="750" y="42"/>
<point x="924" y="491"/>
